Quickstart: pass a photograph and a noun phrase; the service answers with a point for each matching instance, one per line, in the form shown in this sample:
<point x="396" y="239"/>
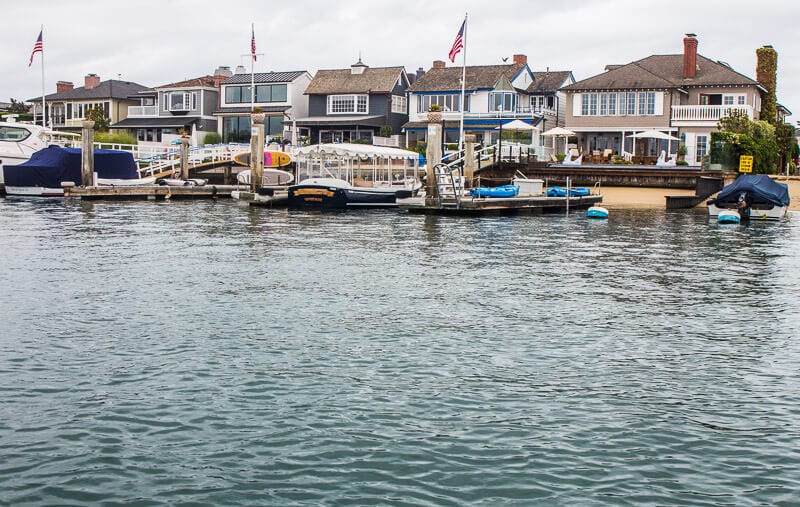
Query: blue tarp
<point x="557" y="191"/>
<point x="501" y="191"/>
<point x="50" y="166"/>
<point x="762" y="190"/>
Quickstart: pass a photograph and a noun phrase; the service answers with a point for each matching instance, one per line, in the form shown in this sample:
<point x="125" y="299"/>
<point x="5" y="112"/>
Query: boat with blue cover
<point x="754" y="196"/>
<point x="501" y="191"/>
<point x="556" y="191"/>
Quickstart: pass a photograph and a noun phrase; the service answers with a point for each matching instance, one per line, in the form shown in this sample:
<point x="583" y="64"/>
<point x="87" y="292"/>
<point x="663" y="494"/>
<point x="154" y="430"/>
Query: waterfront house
<point x="494" y="94"/>
<point x="278" y="94"/>
<point x="349" y="105"/>
<point x="67" y="108"/>
<point x="165" y="112"/>
<point x="682" y="95"/>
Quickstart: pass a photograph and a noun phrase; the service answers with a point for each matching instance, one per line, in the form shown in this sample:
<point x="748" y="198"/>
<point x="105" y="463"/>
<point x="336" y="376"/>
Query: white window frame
<point x="449" y="102"/>
<point x="348" y="104"/>
<point x="399" y="104"/>
<point x="188" y="101"/>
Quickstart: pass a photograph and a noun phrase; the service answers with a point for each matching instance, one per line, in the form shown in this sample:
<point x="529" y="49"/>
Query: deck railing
<point x="140" y="111"/>
<point x="707" y="113"/>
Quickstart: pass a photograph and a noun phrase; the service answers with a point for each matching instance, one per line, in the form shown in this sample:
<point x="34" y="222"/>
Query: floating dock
<point x="535" y="205"/>
<point x="150" y="192"/>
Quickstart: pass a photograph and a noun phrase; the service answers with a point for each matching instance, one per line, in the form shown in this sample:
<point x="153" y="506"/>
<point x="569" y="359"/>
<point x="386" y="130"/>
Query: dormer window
<point x="502" y="101"/>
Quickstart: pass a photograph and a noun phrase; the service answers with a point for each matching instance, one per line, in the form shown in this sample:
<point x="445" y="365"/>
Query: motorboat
<point x="338" y="193"/>
<point x="50" y="168"/>
<point x="597" y="212"/>
<point x="19" y="141"/>
<point x="353" y="176"/>
<point x="765" y="198"/>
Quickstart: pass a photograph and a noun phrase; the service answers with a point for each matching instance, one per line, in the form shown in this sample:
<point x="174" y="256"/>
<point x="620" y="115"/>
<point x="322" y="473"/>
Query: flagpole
<point x="252" y="68"/>
<point x="44" y="105"/>
<point x="463" y="86"/>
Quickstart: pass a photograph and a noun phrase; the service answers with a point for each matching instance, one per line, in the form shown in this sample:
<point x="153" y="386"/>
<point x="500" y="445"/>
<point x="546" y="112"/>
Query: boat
<point x="501" y="191"/>
<point x="353" y="176"/>
<point x="178" y="182"/>
<point x="729" y="216"/>
<point x="765" y="198"/>
<point x="47" y="170"/>
<point x="19" y="141"/>
<point x="557" y="191"/>
<point x="597" y="212"/>
<point x="271" y="177"/>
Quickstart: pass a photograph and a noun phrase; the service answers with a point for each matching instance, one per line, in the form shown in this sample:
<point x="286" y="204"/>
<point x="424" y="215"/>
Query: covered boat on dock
<point x="765" y="198"/>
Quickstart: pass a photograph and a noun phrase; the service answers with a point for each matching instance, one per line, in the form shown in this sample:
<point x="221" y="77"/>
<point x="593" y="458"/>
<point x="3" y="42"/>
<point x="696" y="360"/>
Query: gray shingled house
<point x="67" y="108"/>
<point x="348" y="105"/>
<point x="683" y="95"/>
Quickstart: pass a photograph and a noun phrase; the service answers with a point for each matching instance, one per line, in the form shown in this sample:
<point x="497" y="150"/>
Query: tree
<point x="766" y="75"/>
<point x="741" y="136"/>
<point x="18" y="107"/>
<point x="98" y="115"/>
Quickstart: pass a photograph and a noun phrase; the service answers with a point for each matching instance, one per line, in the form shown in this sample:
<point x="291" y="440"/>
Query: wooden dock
<point x="150" y="192"/>
<point x="535" y="205"/>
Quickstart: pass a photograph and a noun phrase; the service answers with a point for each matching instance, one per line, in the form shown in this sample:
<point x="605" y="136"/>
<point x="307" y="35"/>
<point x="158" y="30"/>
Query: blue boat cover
<point x="501" y="191"/>
<point x="50" y="166"/>
<point x="762" y="190"/>
<point x="557" y="191"/>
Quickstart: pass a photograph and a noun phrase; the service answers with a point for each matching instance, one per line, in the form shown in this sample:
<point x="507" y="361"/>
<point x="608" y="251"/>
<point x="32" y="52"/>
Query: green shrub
<point x="386" y="131"/>
<point x="561" y="156"/>
<point x="212" y="138"/>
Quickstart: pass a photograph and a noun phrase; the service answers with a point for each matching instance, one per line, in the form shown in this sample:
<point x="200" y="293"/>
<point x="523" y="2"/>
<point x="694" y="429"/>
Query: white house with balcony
<point x="494" y="95"/>
<point x="683" y="95"/>
<point x="166" y="112"/>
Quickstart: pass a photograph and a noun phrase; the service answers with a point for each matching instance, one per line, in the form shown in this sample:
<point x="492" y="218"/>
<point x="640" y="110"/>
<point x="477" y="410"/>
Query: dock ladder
<point x="449" y="182"/>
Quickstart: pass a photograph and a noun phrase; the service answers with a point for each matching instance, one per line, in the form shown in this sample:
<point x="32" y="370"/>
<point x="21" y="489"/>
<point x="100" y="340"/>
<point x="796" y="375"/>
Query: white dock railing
<point x="170" y="160"/>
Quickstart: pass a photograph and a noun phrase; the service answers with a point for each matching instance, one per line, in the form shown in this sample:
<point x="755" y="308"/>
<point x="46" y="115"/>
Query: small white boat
<point x="19" y="141"/>
<point x="597" y="212"/>
<point x="728" y="216"/>
<point x="177" y="182"/>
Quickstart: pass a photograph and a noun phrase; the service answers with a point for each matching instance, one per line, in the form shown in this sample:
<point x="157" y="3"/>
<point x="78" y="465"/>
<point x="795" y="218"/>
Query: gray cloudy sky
<point x="158" y="42"/>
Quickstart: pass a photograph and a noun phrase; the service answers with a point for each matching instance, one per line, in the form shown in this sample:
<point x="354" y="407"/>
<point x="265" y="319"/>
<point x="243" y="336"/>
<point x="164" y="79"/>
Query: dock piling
<point x="87" y="153"/>
<point x="184" y="157"/>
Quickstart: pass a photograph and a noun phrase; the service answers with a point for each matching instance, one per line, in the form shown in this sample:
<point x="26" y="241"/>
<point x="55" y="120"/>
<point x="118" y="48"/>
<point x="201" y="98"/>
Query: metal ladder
<point x="449" y="181"/>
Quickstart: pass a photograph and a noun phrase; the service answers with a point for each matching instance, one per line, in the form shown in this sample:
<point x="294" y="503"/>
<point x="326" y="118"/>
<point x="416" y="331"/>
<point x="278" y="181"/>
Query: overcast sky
<point x="159" y="42"/>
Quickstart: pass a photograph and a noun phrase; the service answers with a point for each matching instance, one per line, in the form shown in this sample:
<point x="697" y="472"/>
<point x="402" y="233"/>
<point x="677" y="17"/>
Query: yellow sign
<point x="745" y="164"/>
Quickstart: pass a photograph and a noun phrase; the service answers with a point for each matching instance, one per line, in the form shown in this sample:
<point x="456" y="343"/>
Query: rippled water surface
<point x="201" y="353"/>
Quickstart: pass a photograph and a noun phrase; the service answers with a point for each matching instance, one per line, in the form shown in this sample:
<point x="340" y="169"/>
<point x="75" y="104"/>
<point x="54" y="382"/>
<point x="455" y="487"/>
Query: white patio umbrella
<point x="651" y="134"/>
<point x="558" y="132"/>
<point x="517" y="125"/>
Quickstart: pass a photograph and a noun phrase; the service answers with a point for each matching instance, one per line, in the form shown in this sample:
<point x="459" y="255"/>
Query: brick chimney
<point x="520" y="60"/>
<point x="689" y="55"/>
<point x="64" y="86"/>
<point x="438" y="64"/>
<point x="91" y="81"/>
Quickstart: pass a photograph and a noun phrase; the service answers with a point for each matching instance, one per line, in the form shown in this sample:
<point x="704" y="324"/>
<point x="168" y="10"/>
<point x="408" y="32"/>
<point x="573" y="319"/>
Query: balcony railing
<point x="707" y="113"/>
<point x="140" y="111"/>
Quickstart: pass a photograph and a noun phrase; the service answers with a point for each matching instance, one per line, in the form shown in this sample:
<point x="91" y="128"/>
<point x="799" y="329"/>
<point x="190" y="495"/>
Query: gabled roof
<point x="107" y="89"/>
<point x="660" y="72"/>
<point x="198" y="82"/>
<point x="477" y="77"/>
<point x="265" y="77"/>
<point x="371" y="80"/>
<point x="550" y="81"/>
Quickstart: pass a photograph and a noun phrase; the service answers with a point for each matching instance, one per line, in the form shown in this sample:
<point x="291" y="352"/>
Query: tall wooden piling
<point x="256" y="151"/>
<point x="184" y="157"/>
<point x="469" y="159"/>
<point x="433" y="154"/>
<point x="87" y="153"/>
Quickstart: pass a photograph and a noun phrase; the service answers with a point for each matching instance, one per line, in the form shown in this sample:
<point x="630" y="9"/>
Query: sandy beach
<point x="642" y="197"/>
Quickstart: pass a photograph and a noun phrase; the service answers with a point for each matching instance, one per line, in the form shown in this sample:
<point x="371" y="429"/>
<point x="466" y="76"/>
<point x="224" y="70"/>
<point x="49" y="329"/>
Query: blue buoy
<point x="727" y="216"/>
<point x="597" y="212"/>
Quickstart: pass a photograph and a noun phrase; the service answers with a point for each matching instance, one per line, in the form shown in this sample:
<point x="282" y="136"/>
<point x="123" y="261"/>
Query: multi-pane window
<point x="180" y="101"/>
<point x="347" y="104"/>
<point x="612" y="104"/>
<point x="448" y="103"/>
<point x="702" y="148"/>
<point x="270" y="93"/>
<point x="502" y="101"/>
<point x="399" y="104"/>
<point x="631" y="104"/>
<point x="734" y="100"/>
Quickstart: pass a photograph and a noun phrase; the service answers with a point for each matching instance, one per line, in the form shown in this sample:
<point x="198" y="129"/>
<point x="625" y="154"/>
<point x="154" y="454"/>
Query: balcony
<point x="142" y="111"/>
<point x="705" y="116"/>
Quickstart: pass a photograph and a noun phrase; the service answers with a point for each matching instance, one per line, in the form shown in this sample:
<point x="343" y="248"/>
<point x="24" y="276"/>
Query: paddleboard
<point x="271" y="158"/>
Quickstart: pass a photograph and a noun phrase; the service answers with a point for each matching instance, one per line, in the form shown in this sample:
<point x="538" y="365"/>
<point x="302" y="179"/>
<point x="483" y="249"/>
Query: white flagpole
<point x="252" y="71"/>
<point x="463" y="85"/>
<point x="44" y="105"/>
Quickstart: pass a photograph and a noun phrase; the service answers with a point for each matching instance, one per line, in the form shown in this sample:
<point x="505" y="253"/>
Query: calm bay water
<point x="201" y="353"/>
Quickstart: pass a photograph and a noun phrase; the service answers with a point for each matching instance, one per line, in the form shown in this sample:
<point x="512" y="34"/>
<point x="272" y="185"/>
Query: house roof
<point x="265" y="77"/>
<point x="205" y="81"/>
<point x="371" y="80"/>
<point x="449" y="78"/>
<point x="111" y="88"/>
<point x="662" y="71"/>
<point x="158" y="122"/>
<point x="549" y="81"/>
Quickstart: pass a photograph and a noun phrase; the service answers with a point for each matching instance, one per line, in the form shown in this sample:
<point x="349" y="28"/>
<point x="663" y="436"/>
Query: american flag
<point x="458" y="45"/>
<point x="37" y="48"/>
<point x="253" y="44"/>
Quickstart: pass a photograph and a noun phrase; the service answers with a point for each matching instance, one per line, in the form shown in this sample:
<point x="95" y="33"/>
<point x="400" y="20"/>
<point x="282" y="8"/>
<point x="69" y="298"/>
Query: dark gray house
<point x="347" y="105"/>
<point x="165" y="112"/>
